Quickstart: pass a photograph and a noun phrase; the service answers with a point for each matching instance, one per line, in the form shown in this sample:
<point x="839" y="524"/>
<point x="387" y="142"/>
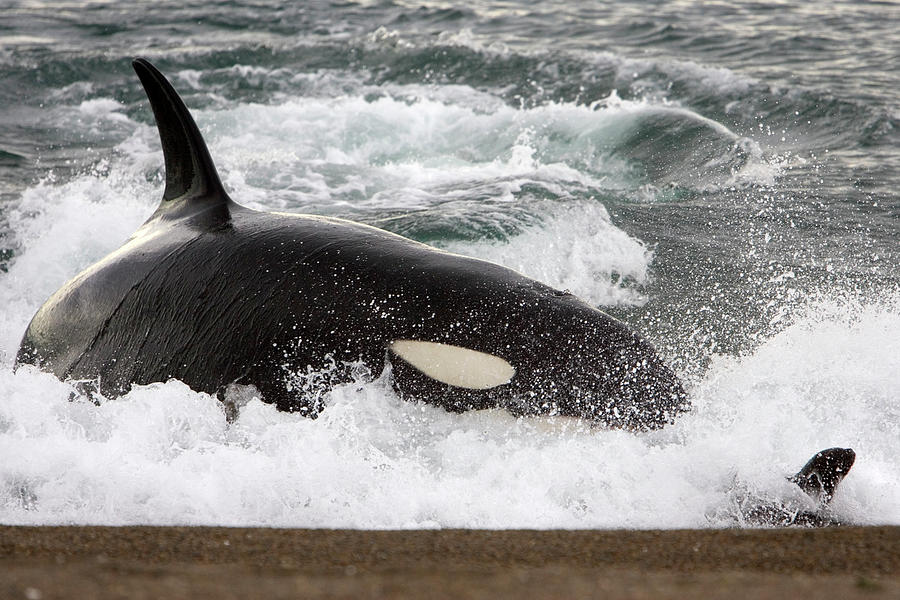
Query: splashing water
<point x="741" y="214"/>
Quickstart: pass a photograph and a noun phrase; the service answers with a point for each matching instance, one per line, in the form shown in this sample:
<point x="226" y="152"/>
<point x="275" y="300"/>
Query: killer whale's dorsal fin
<point x="193" y="187"/>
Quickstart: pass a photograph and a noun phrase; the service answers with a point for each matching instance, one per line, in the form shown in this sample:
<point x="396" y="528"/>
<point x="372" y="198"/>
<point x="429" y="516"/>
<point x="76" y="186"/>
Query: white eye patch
<point x="455" y="365"/>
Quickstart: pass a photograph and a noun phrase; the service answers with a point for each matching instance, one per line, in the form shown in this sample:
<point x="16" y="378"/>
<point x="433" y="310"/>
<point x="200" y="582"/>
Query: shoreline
<point x="198" y="562"/>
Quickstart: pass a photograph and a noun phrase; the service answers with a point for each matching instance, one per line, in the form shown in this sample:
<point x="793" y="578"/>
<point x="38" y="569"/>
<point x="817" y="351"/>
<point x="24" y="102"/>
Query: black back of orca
<point x="211" y="293"/>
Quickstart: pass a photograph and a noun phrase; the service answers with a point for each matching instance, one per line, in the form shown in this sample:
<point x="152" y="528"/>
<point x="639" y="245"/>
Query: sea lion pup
<point x="819" y="478"/>
<point x="825" y="470"/>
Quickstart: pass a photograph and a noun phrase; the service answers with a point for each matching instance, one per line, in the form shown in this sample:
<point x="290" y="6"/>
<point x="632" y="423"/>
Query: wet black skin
<point x="211" y="293"/>
<point x="819" y="479"/>
<point x="821" y="475"/>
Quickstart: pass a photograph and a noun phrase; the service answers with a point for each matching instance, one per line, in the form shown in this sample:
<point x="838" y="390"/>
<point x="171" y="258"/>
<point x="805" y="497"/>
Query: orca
<point x="213" y="293"/>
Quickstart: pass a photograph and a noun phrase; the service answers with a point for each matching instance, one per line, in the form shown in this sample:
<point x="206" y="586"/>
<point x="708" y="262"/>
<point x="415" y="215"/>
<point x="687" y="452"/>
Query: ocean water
<point x="722" y="177"/>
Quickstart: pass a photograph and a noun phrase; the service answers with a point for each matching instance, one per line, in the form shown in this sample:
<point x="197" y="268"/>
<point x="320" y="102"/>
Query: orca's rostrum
<point x="212" y="293"/>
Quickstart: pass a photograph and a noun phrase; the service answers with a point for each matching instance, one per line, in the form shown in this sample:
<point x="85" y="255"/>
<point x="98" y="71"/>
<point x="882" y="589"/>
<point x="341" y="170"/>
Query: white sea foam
<point x="389" y="151"/>
<point x="164" y="454"/>
<point x="412" y="146"/>
<point x="576" y="248"/>
<point x="59" y="230"/>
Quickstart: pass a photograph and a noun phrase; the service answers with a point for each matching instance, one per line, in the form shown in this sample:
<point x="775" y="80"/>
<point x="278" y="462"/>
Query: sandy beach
<point x="198" y="562"/>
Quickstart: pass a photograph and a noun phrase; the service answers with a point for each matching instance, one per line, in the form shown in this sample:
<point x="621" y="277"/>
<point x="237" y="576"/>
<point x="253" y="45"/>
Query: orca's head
<point x="616" y="379"/>
<point x="607" y="374"/>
